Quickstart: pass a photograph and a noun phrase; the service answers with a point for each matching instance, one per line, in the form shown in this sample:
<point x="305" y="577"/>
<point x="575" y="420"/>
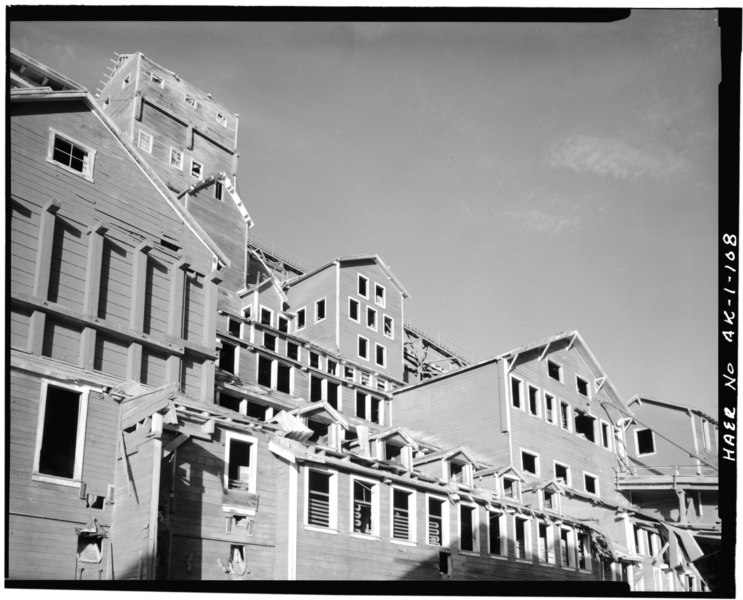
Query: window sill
<point x="67" y="169"/>
<point x="546" y="564"/>
<point x="319" y="529"/>
<point x="54" y="479"/>
<point x="498" y="556"/>
<point x="403" y="542"/>
<point x="365" y="536"/>
<point x="469" y="552"/>
<point x="524" y="560"/>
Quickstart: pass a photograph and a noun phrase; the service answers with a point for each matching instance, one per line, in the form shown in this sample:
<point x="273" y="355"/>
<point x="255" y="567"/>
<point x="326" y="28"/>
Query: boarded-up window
<point x="495" y="535"/>
<point x="61" y="341"/>
<point x="59" y="433"/>
<point x="153" y="367"/>
<point x="318" y="499"/>
<point x="401" y="509"/>
<point x="435" y="522"/>
<point x="193" y="313"/>
<point x="363" y="513"/>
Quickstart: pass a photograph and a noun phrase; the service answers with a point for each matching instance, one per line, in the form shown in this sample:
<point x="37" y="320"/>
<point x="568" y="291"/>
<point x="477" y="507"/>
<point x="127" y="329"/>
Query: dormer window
<point x="511" y="488"/>
<point x="550" y="500"/>
<point x="458" y="471"/>
<point x="393" y="452"/>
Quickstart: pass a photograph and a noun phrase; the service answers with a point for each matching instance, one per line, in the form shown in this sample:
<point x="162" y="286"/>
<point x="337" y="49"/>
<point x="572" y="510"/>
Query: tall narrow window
<point x="379" y="296"/>
<point x="496" y="534"/>
<point x="584" y="551"/>
<point x="591" y="484"/>
<point x="371" y="318"/>
<point x="361" y="405"/>
<point x="318" y="499"/>
<point x="605" y="435"/>
<point x="266" y="316"/>
<point x="436" y="529"/>
<point x="363" y="286"/>
<point x="363" y="348"/>
<point x="467" y="527"/>
<point x="61" y="432"/>
<point x="402" y="515"/>
<point x="381" y="355"/>
<point x="292" y="350"/>
<point x="301" y="318"/>
<point x="319" y="310"/>
<point x="240" y="471"/>
<point x="516" y="392"/>
<point x="565" y="415"/>
<point x="196" y="169"/>
<point x="157" y="80"/>
<point x="364" y="513"/>
<point x="543" y="548"/>
<point x="549" y="407"/>
<point x="706" y="438"/>
<point x="521" y="537"/>
<point x="376" y="411"/>
<point x="533" y="400"/>
<point x="389" y="327"/>
<point x="218" y="190"/>
<point x="353" y="309"/>
<point x="283" y="324"/>
<point x="567" y="558"/>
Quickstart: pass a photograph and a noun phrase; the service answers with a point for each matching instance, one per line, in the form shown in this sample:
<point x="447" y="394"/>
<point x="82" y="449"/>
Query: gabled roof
<point x="351" y="258"/>
<point x="26" y="72"/>
<point x="446" y="455"/>
<point x="320" y="407"/>
<point x="395" y="432"/>
<point x="41" y="94"/>
<point x="639" y="400"/>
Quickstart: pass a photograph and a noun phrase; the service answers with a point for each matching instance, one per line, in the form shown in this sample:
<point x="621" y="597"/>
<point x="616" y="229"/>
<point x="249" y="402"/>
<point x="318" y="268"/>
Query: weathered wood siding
<point x="304" y="295"/>
<point x="116" y="280"/>
<point x="24" y="232"/>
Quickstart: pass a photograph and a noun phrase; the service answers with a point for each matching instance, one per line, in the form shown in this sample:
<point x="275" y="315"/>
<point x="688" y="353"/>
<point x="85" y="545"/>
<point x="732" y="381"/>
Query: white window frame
<point x="569" y="482"/>
<point x="550" y="541"/>
<point x="391" y="334"/>
<point x="299" y="351"/>
<point x="706" y="438"/>
<point x="333" y="500"/>
<point x="377" y="347"/>
<point x="588" y="387"/>
<point x="383" y="303"/>
<point x="201" y="169"/>
<point x="571" y="550"/>
<point x="466" y="471"/>
<point x="248" y="439"/>
<point x="502" y="552"/>
<point x="191" y="100"/>
<point x="154" y="77"/>
<point x="324" y="302"/>
<point x="372" y="311"/>
<point x="569" y="418"/>
<point x="303" y="311"/>
<point x="555" y="501"/>
<point x="218" y="190"/>
<point x="145" y="141"/>
<point x="444" y="520"/>
<point x="595" y="478"/>
<point x="270" y="312"/>
<point x="587" y="551"/>
<point x="559" y="370"/>
<point x="527" y="538"/>
<point x="637" y="442"/>
<point x="221" y="119"/>
<point x="412" y="518"/>
<point x="358" y="347"/>
<point x="360" y="277"/>
<point x="538" y="402"/>
<point x="516" y="488"/>
<point x="522" y="399"/>
<point x="358" y="309"/>
<point x="475" y="528"/>
<point x="555" y="408"/>
<point x="89" y="165"/>
<point x="82" y="415"/>
<point x="606" y="426"/>
<point x="375" y="489"/>
<point x="536" y="461"/>
<point x="179" y="164"/>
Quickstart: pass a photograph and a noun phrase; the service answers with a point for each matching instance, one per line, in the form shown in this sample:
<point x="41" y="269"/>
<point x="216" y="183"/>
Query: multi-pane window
<point x="144" y="141"/>
<point x="269" y="341"/>
<point x="176" y="159"/>
<point x="353" y="309"/>
<point x="364" y="495"/>
<point x="403" y="515"/>
<point x="436" y="522"/>
<point x="467" y="527"/>
<point x="314" y="360"/>
<point x="319" y="500"/>
<point x="71" y="155"/>
<point x="60" y="435"/>
<point x="516" y="385"/>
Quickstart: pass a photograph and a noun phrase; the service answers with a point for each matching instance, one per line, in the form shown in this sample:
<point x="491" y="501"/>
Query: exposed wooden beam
<point x="544" y="352"/>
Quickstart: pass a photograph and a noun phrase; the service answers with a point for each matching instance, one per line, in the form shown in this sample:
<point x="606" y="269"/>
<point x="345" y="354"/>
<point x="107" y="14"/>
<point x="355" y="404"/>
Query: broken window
<point x="320" y="431"/>
<point x="363" y="348"/>
<point x="332" y="367"/>
<point x="157" y="80"/>
<point x="467" y="527"/>
<point x="319" y="310"/>
<point x="301" y="318"/>
<point x="71" y="155"/>
<point x="196" y="169"/>
<point x="584" y="551"/>
<point x="315" y="389"/>
<point x="566" y="548"/>
<point x="376" y="411"/>
<point x="333" y="393"/>
<point x="283" y="324"/>
<point x="266" y="316"/>
<point x="257" y="411"/>
<point x="550" y="500"/>
<point x="227" y="357"/>
<point x="349" y="373"/>
<point x="364" y="509"/>
<point x="318" y="498"/>
<point x="402" y="514"/>
<point x="554" y="370"/>
<point x="645" y="441"/>
<point x="510" y="488"/>
<point x="269" y="341"/>
<point x="379" y="297"/>
<point x="191" y="100"/>
<point x="529" y="462"/>
<point x="591" y="483"/>
<point x="496" y="533"/>
<point x="284" y="378"/>
<point x="562" y="473"/>
<point x="381" y="355"/>
<point x="581" y="385"/>
<point x="585" y="425"/>
<point x="393" y="452"/>
<point x="521" y="538"/>
<point x="533" y="400"/>
<point x="264" y="371"/>
<point x="549" y="407"/>
<point x="229" y="401"/>
<point x="389" y="327"/>
<point x="456" y="471"/>
<point x="353" y="309"/>
<point x="239" y="472"/>
<point x="363" y="286"/>
<point x="371" y="318"/>
<point x="126" y="81"/>
<point x="89" y="549"/>
<point x="221" y="119"/>
<point x="233" y="327"/>
<point x="565" y="415"/>
<point x="292" y="350"/>
<point x="63" y="414"/>
<point x="516" y="392"/>
<point x="435" y="534"/>
<point x="314" y="360"/>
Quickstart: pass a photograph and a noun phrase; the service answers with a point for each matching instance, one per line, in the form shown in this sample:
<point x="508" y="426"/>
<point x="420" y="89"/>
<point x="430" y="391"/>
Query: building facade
<point x="187" y="404"/>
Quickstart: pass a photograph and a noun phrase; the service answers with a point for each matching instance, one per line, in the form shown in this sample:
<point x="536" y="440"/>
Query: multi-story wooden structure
<point x="187" y="404"/>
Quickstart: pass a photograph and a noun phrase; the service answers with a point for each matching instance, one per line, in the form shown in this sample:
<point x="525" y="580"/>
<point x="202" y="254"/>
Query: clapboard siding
<point x="191" y="377"/>
<point x="114" y="300"/>
<point x="304" y="295"/>
<point x="110" y="356"/>
<point x="19" y="324"/>
<point x="67" y="276"/>
<point x="157" y="293"/>
<point x="193" y="314"/>
<point x="153" y="368"/>
<point x="24" y="226"/>
<point x="61" y="341"/>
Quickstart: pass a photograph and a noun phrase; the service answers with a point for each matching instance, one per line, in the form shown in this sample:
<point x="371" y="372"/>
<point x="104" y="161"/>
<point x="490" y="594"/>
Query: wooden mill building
<point x="189" y="404"/>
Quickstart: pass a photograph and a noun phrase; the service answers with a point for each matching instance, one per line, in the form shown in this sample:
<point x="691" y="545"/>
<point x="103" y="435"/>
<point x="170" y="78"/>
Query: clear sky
<point x="521" y="179"/>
